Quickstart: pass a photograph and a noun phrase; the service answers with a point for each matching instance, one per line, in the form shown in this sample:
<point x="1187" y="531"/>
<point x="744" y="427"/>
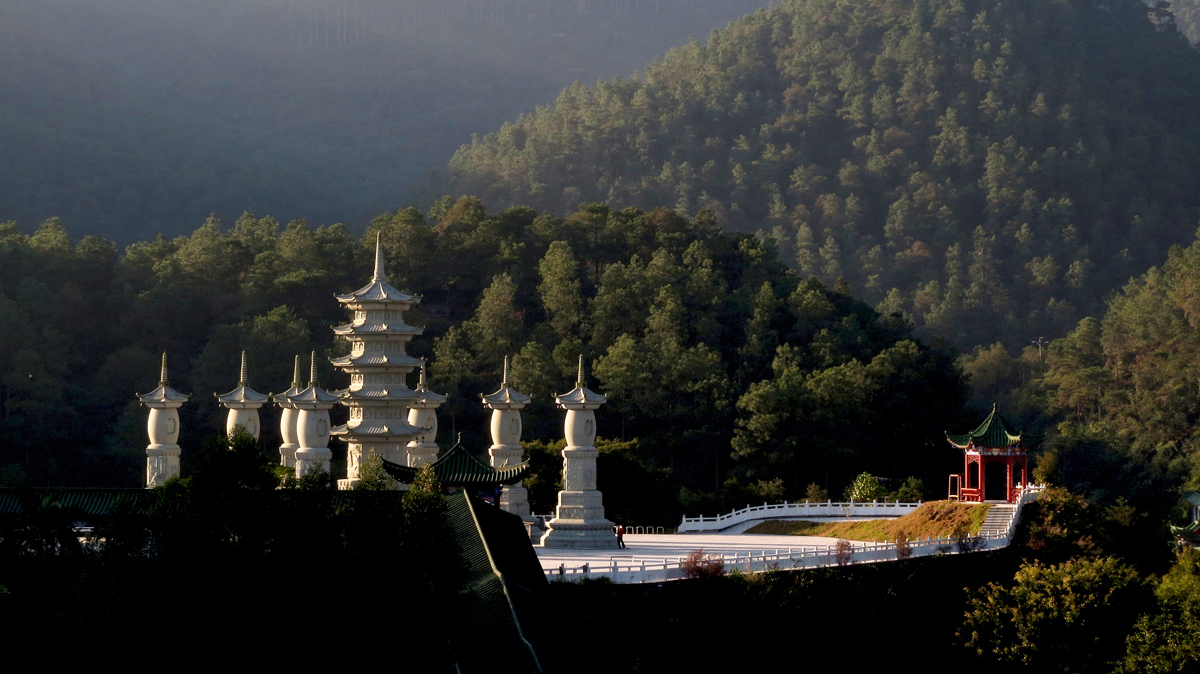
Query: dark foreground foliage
<point x="223" y="564"/>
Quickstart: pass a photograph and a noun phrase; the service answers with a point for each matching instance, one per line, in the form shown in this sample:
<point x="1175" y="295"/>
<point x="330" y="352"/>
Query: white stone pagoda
<point x="423" y="448"/>
<point x="162" y="454"/>
<point x="579" y="519"/>
<point x="312" y="424"/>
<point x="243" y="403"/>
<point x="506" y="405"/>
<point x="378" y="397"/>
<point x="287" y="419"/>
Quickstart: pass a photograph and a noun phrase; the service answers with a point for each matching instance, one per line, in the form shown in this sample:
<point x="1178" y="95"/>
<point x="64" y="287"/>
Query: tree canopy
<point x="988" y="168"/>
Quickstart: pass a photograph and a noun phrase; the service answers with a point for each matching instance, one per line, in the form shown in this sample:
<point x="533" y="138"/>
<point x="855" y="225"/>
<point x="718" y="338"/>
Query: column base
<point x="580" y="534"/>
<point x="312" y="459"/>
<point x="515" y="500"/>
<point x="579" y="522"/>
<point x="162" y="464"/>
<point x="287" y="454"/>
<point x="347" y="484"/>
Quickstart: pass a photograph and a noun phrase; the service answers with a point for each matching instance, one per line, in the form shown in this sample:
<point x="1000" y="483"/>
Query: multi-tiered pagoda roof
<point x="378" y="395"/>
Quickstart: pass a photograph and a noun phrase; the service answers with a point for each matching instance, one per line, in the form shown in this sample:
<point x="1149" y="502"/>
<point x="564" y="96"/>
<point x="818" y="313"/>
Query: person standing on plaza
<point x="621" y="536"/>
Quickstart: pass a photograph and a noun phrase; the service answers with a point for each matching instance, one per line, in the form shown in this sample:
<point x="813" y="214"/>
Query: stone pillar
<point x="506" y="405"/>
<point x="287" y="419"/>
<point x="579" y="519"/>
<point x="291" y="441"/>
<point x="423" y="449"/>
<point x="313" y="453"/>
<point x="162" y="454"/>
<point x="312" y="425"/>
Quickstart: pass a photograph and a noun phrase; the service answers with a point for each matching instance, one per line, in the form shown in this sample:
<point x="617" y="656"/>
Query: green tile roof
<point x="504" y="586"/>
<point x="457" y="468"/>
<point x="995" y="432"/>
<point x="88" y="500"/>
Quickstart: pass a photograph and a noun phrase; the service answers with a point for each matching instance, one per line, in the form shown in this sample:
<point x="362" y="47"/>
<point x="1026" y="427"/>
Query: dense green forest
<point x="701" y="338"/>
<point x="130" y="118"/>
<point x="989" y="169"/>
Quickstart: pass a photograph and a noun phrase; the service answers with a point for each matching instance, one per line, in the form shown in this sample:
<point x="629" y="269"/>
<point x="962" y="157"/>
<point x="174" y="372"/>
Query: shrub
<point x="699" y="565"/>
<point x="865" y="487"/>
<point x="903" y="548"/>
<point x="843" y="552"/>
<point x="1066" y="617"/>
<point x="816" y="493"/>
<point x="911" y="490"/>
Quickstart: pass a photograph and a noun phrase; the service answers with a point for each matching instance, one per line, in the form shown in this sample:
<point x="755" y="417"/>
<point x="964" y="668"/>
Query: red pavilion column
<point x="1008" y="495"/>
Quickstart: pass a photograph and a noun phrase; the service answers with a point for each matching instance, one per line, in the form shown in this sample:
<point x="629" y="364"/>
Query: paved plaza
<point x="657" y="548"/>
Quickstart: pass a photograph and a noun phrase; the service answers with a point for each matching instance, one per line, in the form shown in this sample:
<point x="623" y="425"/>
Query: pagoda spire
<point x="503" y="377"/>
<point x="162" y="378"/>
<point x="379" y="273"/>
<point x="580" y="380"/>
<point x="296" y="372"/>
<point x="243" y="403"/>
<point x="312" y="370"/>
<point x="378" y="396"/>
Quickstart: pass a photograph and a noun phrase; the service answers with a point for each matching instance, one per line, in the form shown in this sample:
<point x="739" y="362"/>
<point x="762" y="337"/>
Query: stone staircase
<point x="998" y="517"/>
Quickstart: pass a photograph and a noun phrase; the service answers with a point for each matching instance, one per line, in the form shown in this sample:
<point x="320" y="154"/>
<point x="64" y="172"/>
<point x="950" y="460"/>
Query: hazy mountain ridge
<point x="990" y="169"/>
<point x="135" y="117"/>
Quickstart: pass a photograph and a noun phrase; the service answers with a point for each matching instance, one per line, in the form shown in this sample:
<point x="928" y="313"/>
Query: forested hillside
<point x="700" y="337"/>
<point x="130" y="118"/>
<point x="989" y="169"/>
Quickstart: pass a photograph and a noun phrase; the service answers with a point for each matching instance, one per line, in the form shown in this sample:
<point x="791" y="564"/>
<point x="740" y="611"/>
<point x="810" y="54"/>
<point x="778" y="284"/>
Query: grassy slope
<point x="936" y="518"/>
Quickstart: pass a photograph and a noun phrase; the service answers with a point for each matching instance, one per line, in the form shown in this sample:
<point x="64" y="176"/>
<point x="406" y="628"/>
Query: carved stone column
<point x="162" y="454"/>
<point x="506" y="405"/>
<point x="579" y="519"/>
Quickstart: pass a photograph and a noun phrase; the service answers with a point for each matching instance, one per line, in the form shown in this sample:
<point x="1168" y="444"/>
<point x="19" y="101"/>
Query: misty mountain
<point x="988" y="169"/>
<point x="132" y="117"/>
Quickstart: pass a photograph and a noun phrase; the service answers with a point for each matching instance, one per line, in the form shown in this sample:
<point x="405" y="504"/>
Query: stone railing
<point x="806" y="509"/>
<point x="802" y="557"/>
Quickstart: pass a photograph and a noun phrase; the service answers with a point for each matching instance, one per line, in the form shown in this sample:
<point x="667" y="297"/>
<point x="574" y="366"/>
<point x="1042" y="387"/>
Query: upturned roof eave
<point x="243" y="394"/>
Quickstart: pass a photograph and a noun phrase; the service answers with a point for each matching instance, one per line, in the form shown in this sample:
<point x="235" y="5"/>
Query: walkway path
<point x="671" y="547"/>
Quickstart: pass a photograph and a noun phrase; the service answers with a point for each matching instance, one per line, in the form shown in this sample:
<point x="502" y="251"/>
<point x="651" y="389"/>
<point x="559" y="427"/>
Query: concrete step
<point x="998" y="517"/>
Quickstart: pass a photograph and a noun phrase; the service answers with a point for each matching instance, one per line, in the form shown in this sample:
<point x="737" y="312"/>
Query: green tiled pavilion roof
<point x="457" y="468"/>
<point x="504" y="589"/>
<point x="88" y="500"/>
<point x="995" y="432"/>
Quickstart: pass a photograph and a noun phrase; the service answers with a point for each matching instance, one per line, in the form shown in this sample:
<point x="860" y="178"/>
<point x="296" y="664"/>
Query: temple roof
<point x="373" y="360"/>
<point x="378" y="290"/>
<point x="457" y="468"/>
<point x="507" y="395"/>
<point x="164" y="393"/>
<point x="243" y="394"/>
<point x="581" y="395"/>
<point x="88" y="500"/>
<point x="398" y="392"/>
<point x="377" y="427"/>
<point x="995" y="432"/>
<point x="372" y="328"/>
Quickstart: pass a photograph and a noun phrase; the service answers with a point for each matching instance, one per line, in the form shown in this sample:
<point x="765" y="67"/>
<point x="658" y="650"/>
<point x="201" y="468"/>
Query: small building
<point x="989" y="449"/>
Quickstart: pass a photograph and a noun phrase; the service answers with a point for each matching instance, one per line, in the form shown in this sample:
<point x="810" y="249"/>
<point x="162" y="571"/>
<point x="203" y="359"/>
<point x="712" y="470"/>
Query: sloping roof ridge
<point x="487" y="549"/>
